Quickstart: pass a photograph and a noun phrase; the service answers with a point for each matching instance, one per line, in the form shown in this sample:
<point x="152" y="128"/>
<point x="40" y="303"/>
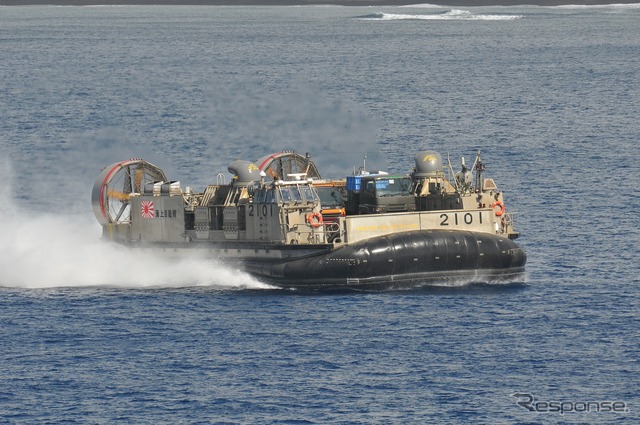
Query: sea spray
<point x="39" y="250"/>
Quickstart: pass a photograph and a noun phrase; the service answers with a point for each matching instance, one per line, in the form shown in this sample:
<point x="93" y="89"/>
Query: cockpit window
<point x="295" y="194"/>
<point x="285" y="194"/>
<point x="309" y="194"/>
<point x="270" y="197"/>
<point x="290" y="194"/>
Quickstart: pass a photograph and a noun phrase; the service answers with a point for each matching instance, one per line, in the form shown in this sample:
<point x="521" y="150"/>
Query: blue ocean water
<point x="91" y="334"/>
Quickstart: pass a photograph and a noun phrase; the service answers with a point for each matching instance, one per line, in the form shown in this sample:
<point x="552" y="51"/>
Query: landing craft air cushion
<point x="280" y="221"/>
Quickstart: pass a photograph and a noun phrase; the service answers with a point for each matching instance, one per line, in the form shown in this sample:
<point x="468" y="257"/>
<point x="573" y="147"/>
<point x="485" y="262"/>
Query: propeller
<point x="113" y="188"/>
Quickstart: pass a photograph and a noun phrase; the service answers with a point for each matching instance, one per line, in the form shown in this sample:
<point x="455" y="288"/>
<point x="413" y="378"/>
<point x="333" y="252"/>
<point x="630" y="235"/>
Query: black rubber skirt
<point x="403" y="259"/>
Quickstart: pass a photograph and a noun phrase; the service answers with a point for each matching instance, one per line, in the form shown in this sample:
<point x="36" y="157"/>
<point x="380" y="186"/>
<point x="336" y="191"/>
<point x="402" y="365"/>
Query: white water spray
<point x="44" y="251"/>
<point x="40" y="250"/>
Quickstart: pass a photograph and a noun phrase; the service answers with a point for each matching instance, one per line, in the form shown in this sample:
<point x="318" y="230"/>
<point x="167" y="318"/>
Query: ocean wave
<point x="423" y="5"/>
<point x="453" y="14"/>
<point x="598" y="6"/>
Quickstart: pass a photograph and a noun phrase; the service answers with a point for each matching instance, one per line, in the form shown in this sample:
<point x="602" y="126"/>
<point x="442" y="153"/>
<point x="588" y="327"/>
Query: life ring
<point x="314" y="219"/>
<point x="498" y="204"/>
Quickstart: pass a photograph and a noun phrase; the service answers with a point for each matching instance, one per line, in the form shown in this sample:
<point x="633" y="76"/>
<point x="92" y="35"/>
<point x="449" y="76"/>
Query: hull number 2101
<point x="456" y="219"/>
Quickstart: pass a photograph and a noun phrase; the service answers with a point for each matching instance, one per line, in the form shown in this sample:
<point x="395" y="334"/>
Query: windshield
<point x="330" y="197"/>
<point x="393" y="186"/>
<point x="291" y="193"/>
<point x="296" y="194"/>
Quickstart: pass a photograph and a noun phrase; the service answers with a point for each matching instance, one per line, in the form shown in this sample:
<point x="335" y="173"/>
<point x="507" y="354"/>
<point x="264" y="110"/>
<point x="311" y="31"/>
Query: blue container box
<point x="353" y="182"/>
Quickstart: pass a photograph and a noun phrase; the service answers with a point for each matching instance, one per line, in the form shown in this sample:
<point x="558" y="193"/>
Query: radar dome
<point x="428" y="164"/>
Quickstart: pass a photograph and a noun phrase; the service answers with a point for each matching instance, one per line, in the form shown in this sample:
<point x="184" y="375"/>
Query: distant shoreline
<point x="444" y="3"/>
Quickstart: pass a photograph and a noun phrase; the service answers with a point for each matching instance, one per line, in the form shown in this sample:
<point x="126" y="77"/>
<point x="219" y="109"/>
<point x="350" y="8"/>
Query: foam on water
<point x="421" y="6"/>
<point x="453" y="14"/>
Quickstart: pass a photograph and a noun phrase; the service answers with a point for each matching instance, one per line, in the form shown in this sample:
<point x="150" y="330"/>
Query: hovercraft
<point x="280" y="221"/>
